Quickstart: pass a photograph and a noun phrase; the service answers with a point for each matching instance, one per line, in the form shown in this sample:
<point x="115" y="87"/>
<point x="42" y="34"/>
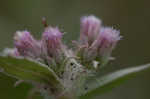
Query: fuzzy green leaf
<point x="28" y="70"/>
<point x="102" y="84"/>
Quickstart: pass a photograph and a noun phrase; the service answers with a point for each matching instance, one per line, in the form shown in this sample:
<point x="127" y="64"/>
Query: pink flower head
<point x="51" y="40"/>
<point x="90" y="27"/>
<point x="107" y="40"/>
<point x="26" y="44"/>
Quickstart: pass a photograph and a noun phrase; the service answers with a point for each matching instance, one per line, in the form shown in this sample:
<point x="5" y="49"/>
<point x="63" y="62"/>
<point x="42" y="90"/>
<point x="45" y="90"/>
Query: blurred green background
<point x="132" y="17"/>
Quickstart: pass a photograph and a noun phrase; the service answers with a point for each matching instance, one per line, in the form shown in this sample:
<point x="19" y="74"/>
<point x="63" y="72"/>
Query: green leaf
<point x="105" y="83"/>
<point x="29" y="70"/>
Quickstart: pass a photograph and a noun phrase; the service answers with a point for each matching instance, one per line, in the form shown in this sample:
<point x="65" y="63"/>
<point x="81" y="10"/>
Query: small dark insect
<point x="45" y="88"/>
<point x="86" y="88"/>
<point x="71" y="64"/>
<point x="71" y="79"/>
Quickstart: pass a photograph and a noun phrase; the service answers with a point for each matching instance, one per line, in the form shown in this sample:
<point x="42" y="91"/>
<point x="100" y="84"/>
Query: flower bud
<point x="105" y="43"/>
<point x="51" y="41"/>
<point x="90" y="27"/>
<point x="26" y="44"/>
<point x="108" y="39"/>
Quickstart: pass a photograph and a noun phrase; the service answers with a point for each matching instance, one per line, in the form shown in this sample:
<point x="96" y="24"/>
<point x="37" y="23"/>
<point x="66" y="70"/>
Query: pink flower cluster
<point x="96" y="42"/>
<point x="47" y="48"/>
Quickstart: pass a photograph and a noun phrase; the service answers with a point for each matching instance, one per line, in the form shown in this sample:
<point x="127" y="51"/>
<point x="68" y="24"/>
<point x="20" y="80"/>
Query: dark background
<point x="130" y="16"/>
